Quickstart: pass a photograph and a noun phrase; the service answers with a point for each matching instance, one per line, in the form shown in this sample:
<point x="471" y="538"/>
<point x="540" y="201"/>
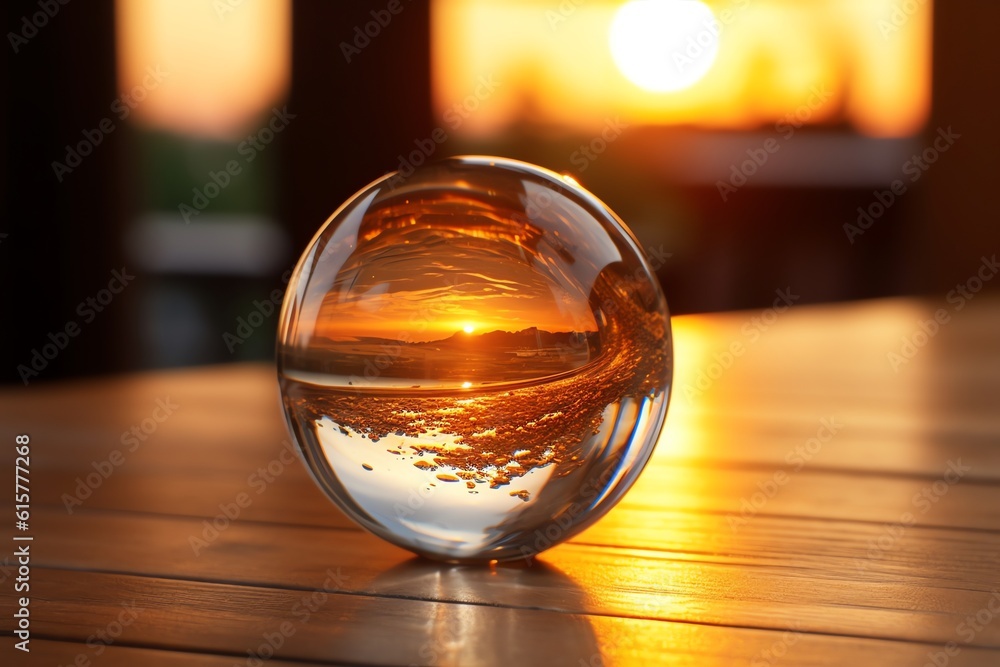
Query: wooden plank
<point x="293" y="497"/>
<point x="705" y="562"/>
<point x="232" y="620"/>
<point x="51" y="653"/>
<point x="918" y="591"/>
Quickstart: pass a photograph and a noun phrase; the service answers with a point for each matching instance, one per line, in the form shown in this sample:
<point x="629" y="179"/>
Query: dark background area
<point x="62" y="240"/>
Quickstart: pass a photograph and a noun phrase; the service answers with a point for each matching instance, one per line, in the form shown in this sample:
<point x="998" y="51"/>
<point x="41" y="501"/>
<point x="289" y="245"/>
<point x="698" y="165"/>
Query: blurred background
<point x="168" y="160"/>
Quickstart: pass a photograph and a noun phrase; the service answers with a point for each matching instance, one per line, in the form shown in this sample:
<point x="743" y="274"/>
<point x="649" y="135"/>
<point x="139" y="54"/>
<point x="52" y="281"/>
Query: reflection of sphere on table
<point x="506" y="615"/>
<point x="475" y="359"/>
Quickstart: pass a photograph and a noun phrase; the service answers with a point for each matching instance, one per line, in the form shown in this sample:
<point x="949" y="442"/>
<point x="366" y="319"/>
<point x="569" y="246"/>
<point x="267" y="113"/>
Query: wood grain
<point x="863" y="554"/>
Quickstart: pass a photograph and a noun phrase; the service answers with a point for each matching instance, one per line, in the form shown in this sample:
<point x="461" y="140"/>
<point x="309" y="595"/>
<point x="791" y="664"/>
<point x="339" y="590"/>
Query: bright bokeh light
<point x="574" y="65"/>
<point x="220" y="66"/>
<point x="664" y="45"/>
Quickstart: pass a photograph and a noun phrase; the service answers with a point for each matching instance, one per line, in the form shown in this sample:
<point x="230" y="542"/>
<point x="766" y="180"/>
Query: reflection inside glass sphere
<point x="475" y="360"/>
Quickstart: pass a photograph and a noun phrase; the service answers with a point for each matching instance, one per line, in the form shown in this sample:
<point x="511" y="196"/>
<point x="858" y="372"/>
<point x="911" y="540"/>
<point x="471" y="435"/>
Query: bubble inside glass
<point x="474" y="359"/>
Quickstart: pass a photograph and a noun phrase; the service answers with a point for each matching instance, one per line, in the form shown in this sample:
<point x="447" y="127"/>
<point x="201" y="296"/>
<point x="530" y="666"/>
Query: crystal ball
<point x="474" y="359"/>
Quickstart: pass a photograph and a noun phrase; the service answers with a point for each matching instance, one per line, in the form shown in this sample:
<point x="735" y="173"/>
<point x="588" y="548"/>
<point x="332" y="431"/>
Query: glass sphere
<point x="474" y="359"/>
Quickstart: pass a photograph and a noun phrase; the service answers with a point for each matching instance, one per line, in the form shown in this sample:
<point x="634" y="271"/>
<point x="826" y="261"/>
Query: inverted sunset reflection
<point x="421" y="296"/>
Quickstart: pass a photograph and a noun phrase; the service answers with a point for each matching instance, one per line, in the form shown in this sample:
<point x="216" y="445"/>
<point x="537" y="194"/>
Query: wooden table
<point x="808" y="504"/>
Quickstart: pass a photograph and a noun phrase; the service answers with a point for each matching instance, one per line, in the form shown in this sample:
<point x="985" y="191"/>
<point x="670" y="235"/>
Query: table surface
<point x="813" y="500"/>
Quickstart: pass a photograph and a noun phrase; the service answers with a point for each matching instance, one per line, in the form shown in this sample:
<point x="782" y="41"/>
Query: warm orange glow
<point x="864" y="62"/>
<point x="399" y="305"/>
<point x="399" y="317"/>
<point x="648" y="37"/>
<point x="685" y="432"/>
<point x="224" y="64"/>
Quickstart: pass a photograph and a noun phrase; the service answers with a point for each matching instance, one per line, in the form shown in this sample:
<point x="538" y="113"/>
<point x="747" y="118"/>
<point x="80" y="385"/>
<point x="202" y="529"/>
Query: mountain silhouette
<point x="532" y="338"/>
